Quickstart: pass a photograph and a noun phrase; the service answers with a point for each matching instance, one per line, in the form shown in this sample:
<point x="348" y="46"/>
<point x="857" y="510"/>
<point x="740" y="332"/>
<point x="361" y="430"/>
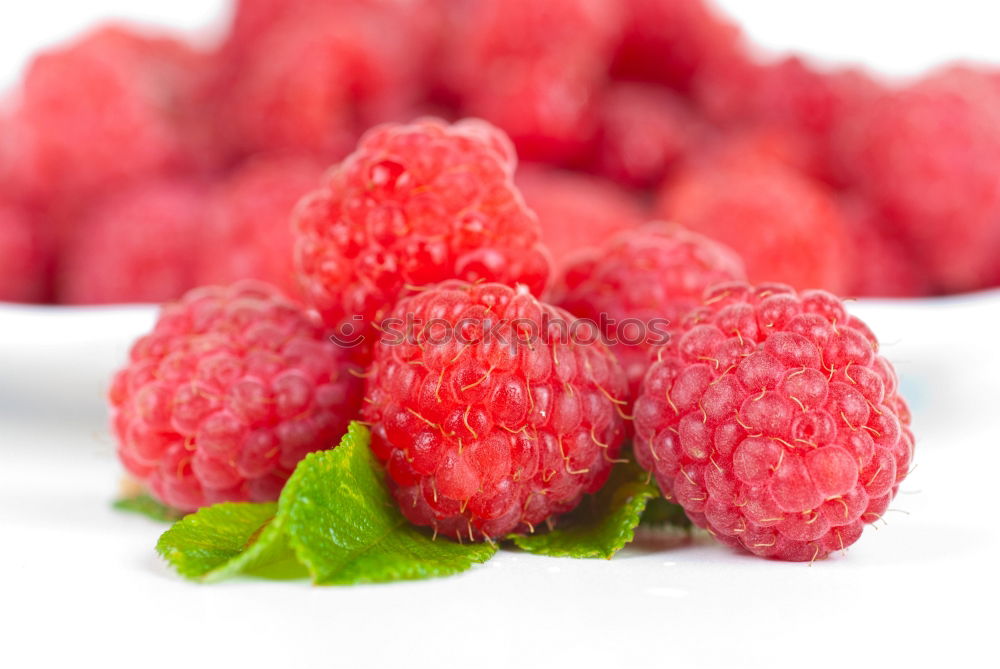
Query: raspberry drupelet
<point x="413" y="205"/>
<point x="772" y="419"/>
<point x="230" y="390"/>
<point x="658" y="271"/>
<point x="489" y="414"/>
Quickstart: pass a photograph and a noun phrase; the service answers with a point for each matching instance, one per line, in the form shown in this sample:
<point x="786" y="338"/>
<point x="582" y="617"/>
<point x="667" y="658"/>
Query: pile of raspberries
<point x="331" y="204"/>
<point x="135" y="165"/>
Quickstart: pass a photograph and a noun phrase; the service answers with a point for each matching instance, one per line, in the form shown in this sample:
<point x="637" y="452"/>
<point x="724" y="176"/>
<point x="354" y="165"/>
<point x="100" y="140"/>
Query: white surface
<point x="897" y="37"/>
<point x="83" y="586"/>
<point x="82" y="580"/>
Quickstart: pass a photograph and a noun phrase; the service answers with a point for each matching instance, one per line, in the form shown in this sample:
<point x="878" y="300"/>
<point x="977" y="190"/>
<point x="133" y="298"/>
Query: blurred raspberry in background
<point x="136" y="164"/>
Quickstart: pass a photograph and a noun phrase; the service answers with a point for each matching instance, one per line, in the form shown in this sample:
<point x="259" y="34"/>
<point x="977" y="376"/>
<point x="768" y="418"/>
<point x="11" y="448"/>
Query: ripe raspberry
<point x="927" y="156"/>
<point x="248" y="233"/>
<point x="487" y="419"/>
<point x="576" y="211"/>
<point x="138" y="245"/>
<point x="656" y="272"/>
<point x="228" y="392"/>
<point x="24" y="258"/>
<point x="315" y="81"/>
<point x="644" y="132"/>
<point x="882" y="266"/>
<point x="791" y="96"/>
<point x="415" y="22"/>
<point x="544" y="63"/>
<point x="768" y="143"/>
<point x="108" y="109"/>
<point x="413" y="205"/>
<point x="675" y="42"/>
<point x="771" y="418"/>
<point x="786" y="227"/>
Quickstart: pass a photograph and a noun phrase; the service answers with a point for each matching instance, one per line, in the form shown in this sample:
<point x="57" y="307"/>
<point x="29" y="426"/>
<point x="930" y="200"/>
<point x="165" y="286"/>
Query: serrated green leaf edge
<point x="311" y="528"/>
<point x="378" y="544"/>
<point x="145" y="505"/>
<point x="603" y="524"/>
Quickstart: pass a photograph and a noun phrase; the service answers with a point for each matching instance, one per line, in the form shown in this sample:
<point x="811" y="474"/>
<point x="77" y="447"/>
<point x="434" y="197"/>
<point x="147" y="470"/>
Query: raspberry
<point x="644" y="132"/>
<point x="771" y="418"/>
<point x="769" y="143"/>
<point x="882" y="266"/>
<point x="138" y="245"/>
<point x="544" y="63"/>
<point x="108" y="109"/>
<point x="412" y="21"/>
<point x="315" y="80"/>
<point x="792" y="96"/>
<point x="658" y="271"/>
<point x="25" y="258"/>
<point x="248" y="232"/>
<point x="229" y="391"/>
<point x="413" y="205"/>
<point x="675" y="42"/>
<point x="927" y="156"/>
<point x="786" y="227"/>
<point x="576" y="211"/>
<point x="487" y="419"/>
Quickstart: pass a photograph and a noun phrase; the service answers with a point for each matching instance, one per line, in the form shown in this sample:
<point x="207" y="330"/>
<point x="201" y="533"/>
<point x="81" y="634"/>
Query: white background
<point x="82" y="586"/>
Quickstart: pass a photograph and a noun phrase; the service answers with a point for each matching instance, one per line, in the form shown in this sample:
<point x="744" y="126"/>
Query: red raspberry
<point x="228" y="392"/>
<point x="24" y="258"/>
<point x="577" y="211"/>
<point x="548" y="107"/>
<point x="927" y="156"/>
<point x="543" y="64"/>
<point x="786" y="227"/>
<point x="488" y="420"/>
<point x="657" y="272"/>
<point x="109" y="108"/>
<point x="315" y="80"/>
<point x="790" y="95"/>
<point x="771" y="418"/>
<point x="768" y="143"/>
<point x="413" y="205"/>
<point x="248" y="233"/>
<point x="882" y="266"/>
<point x="644" y="132"/>
<point x="675" y="42"/>
<point x="415" y="22"/>
<point x="138" y="245"/>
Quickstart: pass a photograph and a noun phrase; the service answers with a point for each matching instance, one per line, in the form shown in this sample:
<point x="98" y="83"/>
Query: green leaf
<point x="346" y="528"/>
<point x="222" y="540"/>
<point x="335" y="521"/>
<point x="145" y="505"/>
<point x="661" y="513"/>
<point x="603" y="523"/>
